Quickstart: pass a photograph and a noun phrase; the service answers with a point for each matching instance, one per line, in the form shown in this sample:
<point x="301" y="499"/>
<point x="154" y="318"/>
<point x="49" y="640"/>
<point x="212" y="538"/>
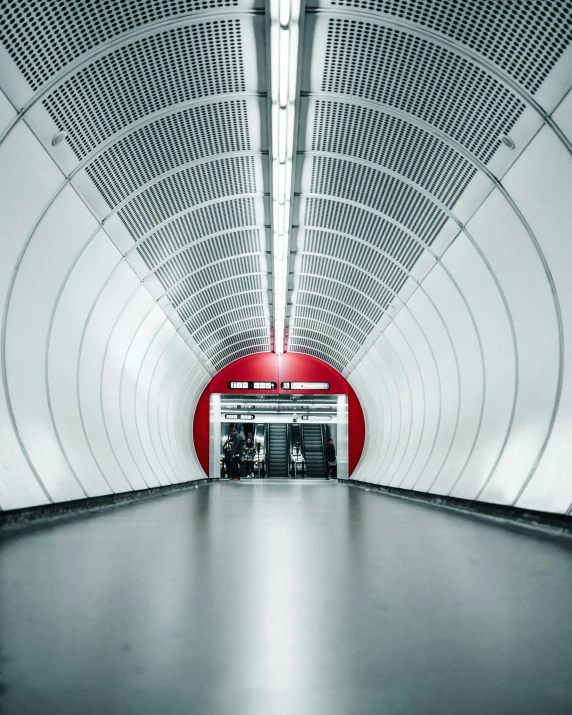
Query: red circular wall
<point x="290" y="367"/>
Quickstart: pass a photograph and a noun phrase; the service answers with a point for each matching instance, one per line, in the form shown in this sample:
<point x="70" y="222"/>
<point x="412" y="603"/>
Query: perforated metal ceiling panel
<point x="524" y="39"/>
<point x="402" y="107"/>
<point x="403" y="102"/>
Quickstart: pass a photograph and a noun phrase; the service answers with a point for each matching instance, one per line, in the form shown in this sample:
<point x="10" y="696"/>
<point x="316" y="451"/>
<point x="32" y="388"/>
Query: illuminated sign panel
<point x="316" y="418"/>
<point x="238" y="385"/>
<point x="305" y="385"/>
<point x="245" y="418"/>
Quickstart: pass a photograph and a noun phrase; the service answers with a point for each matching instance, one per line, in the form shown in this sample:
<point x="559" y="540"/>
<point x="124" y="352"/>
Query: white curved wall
<point x="468" y="390"/>
<point x="462" y="390"/>
<point x="465" y="382"/>
<point x="98" y="387"/>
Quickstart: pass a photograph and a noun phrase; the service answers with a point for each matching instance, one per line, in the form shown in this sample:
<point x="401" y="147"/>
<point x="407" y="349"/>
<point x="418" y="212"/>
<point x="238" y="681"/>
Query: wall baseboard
<point x="546" y="521"/>
<point x="14" y="519"/>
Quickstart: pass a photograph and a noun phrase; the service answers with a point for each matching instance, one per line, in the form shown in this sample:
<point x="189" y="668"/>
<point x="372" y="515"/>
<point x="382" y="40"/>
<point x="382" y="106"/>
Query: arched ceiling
<point x="401" y="108"/>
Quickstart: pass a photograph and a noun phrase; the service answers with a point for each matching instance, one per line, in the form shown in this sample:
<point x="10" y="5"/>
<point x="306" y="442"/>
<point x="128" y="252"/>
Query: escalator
<point x="313" y="438"/>
<point x="277" y="450"/>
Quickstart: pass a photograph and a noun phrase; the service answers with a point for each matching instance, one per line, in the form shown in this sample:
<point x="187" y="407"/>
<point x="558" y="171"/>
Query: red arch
<point x="270" y="367"/>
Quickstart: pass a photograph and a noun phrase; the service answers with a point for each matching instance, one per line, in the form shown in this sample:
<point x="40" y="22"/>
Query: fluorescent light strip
<point x="284" y="16"/>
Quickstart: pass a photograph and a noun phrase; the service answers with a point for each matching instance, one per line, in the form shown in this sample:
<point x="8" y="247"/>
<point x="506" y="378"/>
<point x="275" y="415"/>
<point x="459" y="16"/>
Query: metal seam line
<point x="3" y="350"/>
<point x="148" y="398"/>
<point x="394" y="404"/>
<point x="176" y="449"/>
<point x="185" y="408"/>
<point x="136" y="392"/>
<point x="440" y="400"/>
<point x="399" y="362"/>
<point x="47" y="360"/>
<point x="124" y="308"/>
<point x="164" y="422"/>
<point x="384" y="444"/>
<point x="162" y="357"/>
<point x="153" y="306"/>
<point x="411" y="407"/>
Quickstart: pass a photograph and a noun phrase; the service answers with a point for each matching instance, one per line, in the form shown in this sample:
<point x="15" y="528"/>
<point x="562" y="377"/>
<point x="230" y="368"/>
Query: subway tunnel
<point x="206" y="202"/>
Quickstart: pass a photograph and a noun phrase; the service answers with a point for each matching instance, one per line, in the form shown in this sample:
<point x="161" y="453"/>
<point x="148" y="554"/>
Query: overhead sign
<point x="305" y="385"/>
<point x="234" y="385"/>
<point x="317" y="418"/>
<point x="243" y="418"/>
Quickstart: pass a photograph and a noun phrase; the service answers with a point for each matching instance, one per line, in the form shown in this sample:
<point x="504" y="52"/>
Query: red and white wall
<point x="289" y="367"/>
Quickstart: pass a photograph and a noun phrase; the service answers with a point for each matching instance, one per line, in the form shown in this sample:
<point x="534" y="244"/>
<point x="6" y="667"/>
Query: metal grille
<point x="422" y="79"/>
<point x="309" y="346"/>
<point x="229" y="351"/>
<point x="343" y="315"/>
<point x="42" y="36"/>
<point x="231" y="316"/>
<point x="219" y="303"/>
<point x="205" y="253"/>
<point x="524" y="38"/>
<point x="354" y="221"/>
<point x="165" y="144"/>
<point x="220" y="218"/>
<point x="146" y="76"/>
<point x="220" y="310"/>
<point x="379" y="191"/>
<point x="371" y="135"/>
<point x="191" y="186"/>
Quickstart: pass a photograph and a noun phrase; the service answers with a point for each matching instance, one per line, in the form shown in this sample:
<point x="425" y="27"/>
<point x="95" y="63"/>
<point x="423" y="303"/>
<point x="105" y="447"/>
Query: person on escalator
<point x="248" y="456"/>
<point x="237" y="446"/>
<point x="332" y="468"/>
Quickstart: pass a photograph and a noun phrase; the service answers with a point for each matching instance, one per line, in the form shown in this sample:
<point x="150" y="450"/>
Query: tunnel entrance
<point x="282" y="400"/>
<point x="280" y="436"/>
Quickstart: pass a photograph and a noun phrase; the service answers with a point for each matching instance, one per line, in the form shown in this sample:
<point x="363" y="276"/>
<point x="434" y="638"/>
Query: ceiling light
<point x="284" y="16"/>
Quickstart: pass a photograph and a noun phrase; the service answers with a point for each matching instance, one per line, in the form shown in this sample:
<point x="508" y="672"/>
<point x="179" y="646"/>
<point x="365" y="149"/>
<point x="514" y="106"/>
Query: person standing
<point x="227" y="451"/>
<point x="248" y="456"/>
<point x="331" y="461"/>
<point x="237" y="447"/>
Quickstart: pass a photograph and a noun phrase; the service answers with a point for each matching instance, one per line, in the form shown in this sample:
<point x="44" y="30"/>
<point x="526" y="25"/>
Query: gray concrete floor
<point x="284" y="598"/>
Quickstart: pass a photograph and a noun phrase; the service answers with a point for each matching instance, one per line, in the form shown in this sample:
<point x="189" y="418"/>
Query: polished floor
<point x="284" y="598"/>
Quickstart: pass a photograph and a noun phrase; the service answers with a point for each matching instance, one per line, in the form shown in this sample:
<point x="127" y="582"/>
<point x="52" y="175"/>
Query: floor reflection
<point x="286" y="597"/>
